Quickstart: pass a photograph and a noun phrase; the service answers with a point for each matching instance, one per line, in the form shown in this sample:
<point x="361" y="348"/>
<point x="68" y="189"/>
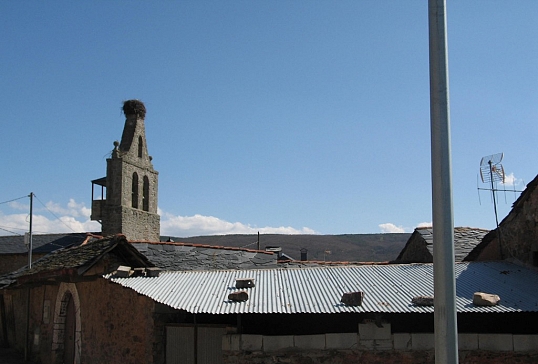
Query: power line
<point x="15" y="199"/>
<point x="53" y="214"/>
<point x="244" y="246"/>
<point x="12" y="232"/>
<point x="26" y="229"/>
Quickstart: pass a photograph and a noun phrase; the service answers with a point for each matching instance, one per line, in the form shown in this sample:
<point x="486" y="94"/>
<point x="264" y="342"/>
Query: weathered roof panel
<point x="387" y="288"/>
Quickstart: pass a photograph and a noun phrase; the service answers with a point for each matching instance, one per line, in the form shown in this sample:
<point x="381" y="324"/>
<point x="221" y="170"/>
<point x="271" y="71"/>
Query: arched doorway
<point x="66" y="337"/>
<point x="69" y="330"/>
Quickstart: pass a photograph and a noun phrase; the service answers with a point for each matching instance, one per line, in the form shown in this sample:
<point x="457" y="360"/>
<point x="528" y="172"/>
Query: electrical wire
<point x="53" y="214"/>
<point x="244" y="246"/>
<point x="12" y="232"/>
<point x="15" y="199"/>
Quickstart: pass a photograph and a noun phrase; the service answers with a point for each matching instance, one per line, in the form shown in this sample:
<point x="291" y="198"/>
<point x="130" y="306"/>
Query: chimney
<point x="275" y="249"/>
<point x="304" y="255"/>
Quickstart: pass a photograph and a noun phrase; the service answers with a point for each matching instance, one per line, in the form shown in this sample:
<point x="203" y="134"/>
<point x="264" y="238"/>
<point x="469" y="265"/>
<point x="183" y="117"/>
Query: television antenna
<point x="492" y="171"/>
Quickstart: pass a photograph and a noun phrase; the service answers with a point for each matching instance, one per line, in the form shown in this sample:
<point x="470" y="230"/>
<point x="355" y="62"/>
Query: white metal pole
<point x="30" y="246"/>
<point x="445" y="320"/>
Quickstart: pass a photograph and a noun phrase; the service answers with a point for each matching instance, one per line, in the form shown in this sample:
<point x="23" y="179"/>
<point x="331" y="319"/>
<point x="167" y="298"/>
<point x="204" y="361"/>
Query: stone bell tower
<point x="130" y="206"/>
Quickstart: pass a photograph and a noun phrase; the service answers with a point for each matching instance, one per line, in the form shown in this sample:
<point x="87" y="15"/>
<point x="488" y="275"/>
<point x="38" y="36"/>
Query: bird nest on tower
<point x="134" y="107"/>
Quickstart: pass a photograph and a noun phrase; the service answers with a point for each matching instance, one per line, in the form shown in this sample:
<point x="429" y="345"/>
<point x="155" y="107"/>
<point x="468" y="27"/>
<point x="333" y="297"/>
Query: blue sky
<point x="270" y="116"/>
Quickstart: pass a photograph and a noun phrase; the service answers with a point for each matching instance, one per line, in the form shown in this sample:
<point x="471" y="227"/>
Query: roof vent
<point x="153" y="272"/>
<point x="352" y="298"/>
<point x="423" y="300"/>
<point x="123" y="271"/>
<point x="274" y="249"/>
<point x="240" y="296"/>
<point x="244" y="283"/>
<point x="138" y="272"/>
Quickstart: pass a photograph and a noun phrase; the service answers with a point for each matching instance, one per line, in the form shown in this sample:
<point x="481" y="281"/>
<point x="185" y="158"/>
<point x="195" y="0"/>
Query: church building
<point x="127" y="203"/>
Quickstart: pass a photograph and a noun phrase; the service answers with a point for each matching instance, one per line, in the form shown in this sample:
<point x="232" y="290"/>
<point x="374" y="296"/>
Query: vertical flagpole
<point x="446" y="331"/>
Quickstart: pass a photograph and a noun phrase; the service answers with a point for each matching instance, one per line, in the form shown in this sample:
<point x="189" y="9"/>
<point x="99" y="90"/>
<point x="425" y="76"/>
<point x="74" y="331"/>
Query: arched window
<point x="145" y="194"/>
<point x="135" y="191"/>
<point x="140" y="146"/>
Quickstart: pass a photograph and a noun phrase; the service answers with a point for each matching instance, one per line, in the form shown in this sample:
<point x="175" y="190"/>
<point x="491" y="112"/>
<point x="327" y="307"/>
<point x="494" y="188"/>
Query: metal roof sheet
<point x="387" y="288"/>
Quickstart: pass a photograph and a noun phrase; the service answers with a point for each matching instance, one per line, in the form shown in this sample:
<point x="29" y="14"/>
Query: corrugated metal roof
<point x="387" y="288"/>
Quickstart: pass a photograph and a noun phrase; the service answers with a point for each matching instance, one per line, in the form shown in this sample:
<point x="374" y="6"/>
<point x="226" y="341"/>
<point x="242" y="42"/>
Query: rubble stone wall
<point x="375" y="345"/>
<point x="117" y="324"/>
<point x="12" y="262"/>
<point x="519" y="231"/>
<point x="114" y="324"/>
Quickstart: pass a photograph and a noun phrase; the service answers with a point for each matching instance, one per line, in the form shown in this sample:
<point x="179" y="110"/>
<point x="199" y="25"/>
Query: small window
<point x="145" y="194"/>
<point x="135" y="191"/>
<point x="535" y="259"/>
<point x="140" y="146"/>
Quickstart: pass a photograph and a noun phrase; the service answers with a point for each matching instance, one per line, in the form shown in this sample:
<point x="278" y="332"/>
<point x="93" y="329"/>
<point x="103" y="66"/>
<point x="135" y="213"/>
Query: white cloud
<point x="425" y="224"/>
<point x="511" y="180"/>
<point x="16" y="205"/>
<point x="54" y="218"/>
<point x="185" y="226"/>
<point x="73" y="209"/>
<point x="75" y="217"/>
<point x="391" y="228"/>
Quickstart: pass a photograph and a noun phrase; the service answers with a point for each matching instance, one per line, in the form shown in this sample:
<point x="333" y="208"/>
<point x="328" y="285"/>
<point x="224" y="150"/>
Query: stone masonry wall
<point x="416" y="251"/>
<point x="41" y="324"/>
<point x="117" y="324"/>
<point x="12" y="262"/>
<point x="519" y="231"/>
<point x="134" y="224"/>
<point x="375" y="345"/>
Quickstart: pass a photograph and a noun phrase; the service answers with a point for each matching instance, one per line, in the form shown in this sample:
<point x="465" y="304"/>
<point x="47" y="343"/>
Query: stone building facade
<point x="517" y="235"/>
<point x="131" y="183"/>
<point x="419" y="247"/>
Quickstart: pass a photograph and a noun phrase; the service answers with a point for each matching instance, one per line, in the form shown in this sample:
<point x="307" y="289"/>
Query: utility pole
<point x="445" y="321"/>
<point x="30" y="246"/>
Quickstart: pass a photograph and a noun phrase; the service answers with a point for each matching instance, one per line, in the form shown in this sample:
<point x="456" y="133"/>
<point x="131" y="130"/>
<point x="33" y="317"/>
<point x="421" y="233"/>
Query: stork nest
<point x="134" y="107"/>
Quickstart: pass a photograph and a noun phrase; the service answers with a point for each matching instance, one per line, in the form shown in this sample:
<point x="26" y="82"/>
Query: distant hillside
<point x="348" y="247"/>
